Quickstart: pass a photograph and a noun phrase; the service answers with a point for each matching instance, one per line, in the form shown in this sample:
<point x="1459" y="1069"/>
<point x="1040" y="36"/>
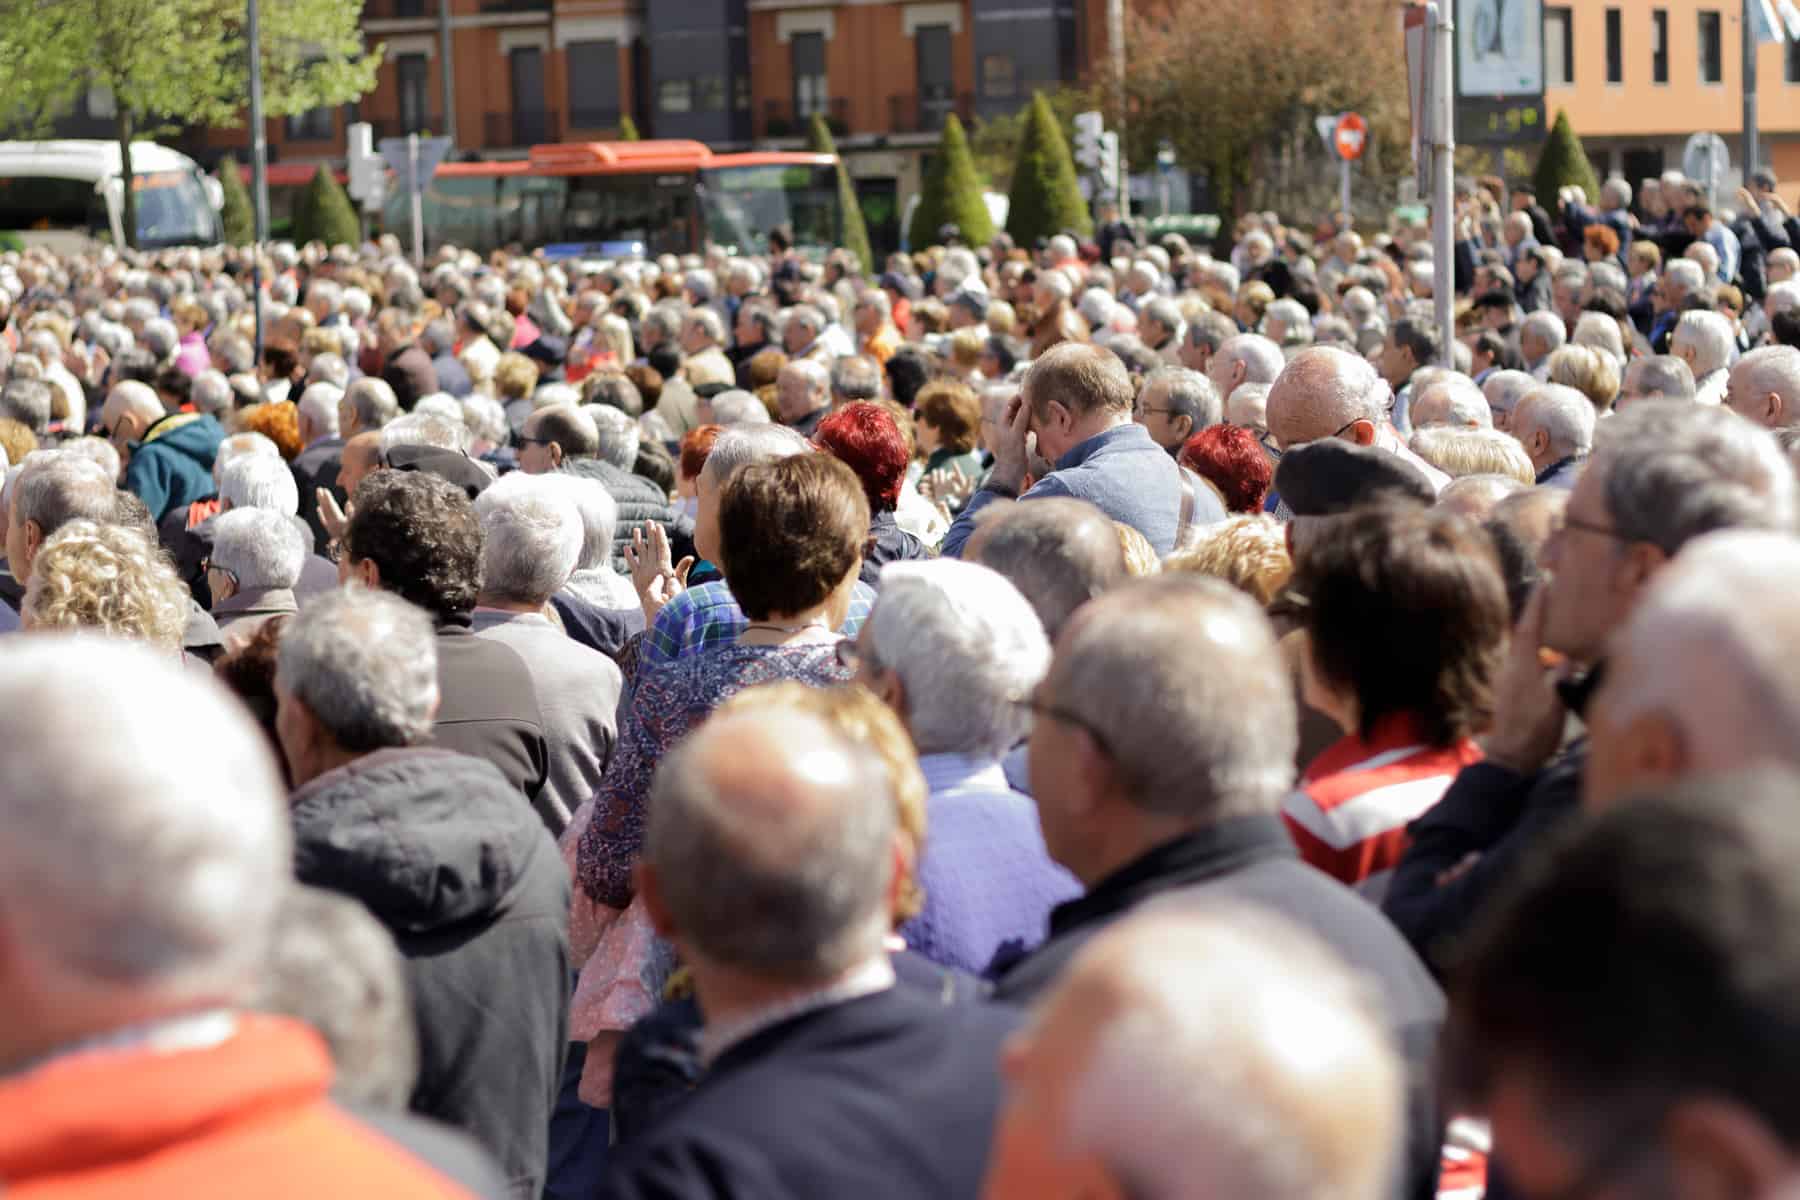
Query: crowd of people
<point x="1091" y="719"/>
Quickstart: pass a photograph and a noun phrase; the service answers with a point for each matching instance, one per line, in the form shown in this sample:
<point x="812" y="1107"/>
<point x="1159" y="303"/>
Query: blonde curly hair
<point x="1248" y="552"/>
<point x="107" y="578"/>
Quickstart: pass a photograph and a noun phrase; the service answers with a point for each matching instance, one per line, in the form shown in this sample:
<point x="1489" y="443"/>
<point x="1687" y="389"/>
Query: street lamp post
<point x="259" y="166"/>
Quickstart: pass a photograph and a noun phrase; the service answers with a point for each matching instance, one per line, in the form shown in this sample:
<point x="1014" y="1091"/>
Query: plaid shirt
<point x="707" y="615"/>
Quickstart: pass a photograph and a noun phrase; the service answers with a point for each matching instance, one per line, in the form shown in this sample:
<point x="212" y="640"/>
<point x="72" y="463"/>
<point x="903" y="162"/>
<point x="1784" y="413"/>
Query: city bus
<point x="623" y="198"/>
<point x="65" y="194"/>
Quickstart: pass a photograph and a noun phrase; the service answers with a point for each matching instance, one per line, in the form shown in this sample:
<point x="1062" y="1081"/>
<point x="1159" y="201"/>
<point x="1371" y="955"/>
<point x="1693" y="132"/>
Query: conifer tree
<point x="952" y="194"/>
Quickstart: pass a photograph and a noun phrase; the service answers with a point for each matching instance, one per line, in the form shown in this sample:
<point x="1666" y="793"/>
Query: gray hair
<point x="1463" y="404"/>
<point x="1504" y="389"/>
<point x="373" y="402"/>
<point x="710" y="323"/>
<point x="741" y="445"/>
<point x="619" y="435"/>
<point x="28" y="402"/>
<point x="1294" y="316"/>
<point x="1060" y="553"/>
<point x="1563" y="413"/>
<point x="738" y="407"/>
<point x="1666" y="376"/>
<point x="1597" y="331"/>
<point x="485" y="419"/>
<point x="1709" y="333"/>
<point x="968" y="648"/>
<point x="1262" y="358"/>
<point x="1187" y="394"/>
<point x="599" y="514"/>
<point x="1163" y="311"/>
<point x="96" y="450"/>
<point x="665" y="319"/>
<point x="365" y="664"/>
<point x="1547" y="328"/>
<point x="212" y="394"/>
<point x="161" y="338"/>
<point x="1181" y="676"/>
<point x="1673" y="471"/>
<point x="259" y="547"/>
<point x="336" y="968"/>
<point x="531" y="538"/>
<point x="855" y="377"/>
<point x="328" y="368"/>
<point x="1616" y="193"/>
<point x="782" y="883"/>
<point x="154" y="857"/>
<point x="1609" y="274"/>
<point x="236" y="351"/>
<point x="318" y="407"/>
<point x="260" y="481"/>
<point x="1688" y="274"/>
<point x="59" y="488"/>
<point x="1097" y="308"/>
<point x="424" y="429"/>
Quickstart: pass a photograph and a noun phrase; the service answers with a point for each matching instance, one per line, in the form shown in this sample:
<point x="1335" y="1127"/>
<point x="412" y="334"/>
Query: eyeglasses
<point x="1043" y="708"/>
<point x="1605" y="531"/>
<point x="1277" y="452"/>
<point x="1138" y="410"/>
<point x="207" y="564"/>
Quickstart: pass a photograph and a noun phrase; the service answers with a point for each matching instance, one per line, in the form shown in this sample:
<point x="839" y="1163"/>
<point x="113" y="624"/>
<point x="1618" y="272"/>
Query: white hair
<point x="599" y="514"/>
<point x="1451" y="400"/>
<point x="260" y="481"/>
<point x="1705" y="255"/>
<point x="364" y="663"/>
<point x="555" y="393"/>
<point x="238" y="445"/>
<point x="485" y="419"/>
<point x="99" y="451"/>
<point x="619" y="435"/>
<point x="1097" y="308"/>
<point x="739" y="445"/>
<point x="151" y="860"/>
<point x="318" y="407"/>
<point x="212" y="394"/>
<point x="424" y="429"/>
<point x="1709" y="335"/>
<point x="1562" y="412"/>
<point x="532" y="538"/>
<point x="1687" y="273"/>
<point x="1262" y="358"/>
<point x="260" y="547"/>
<point x="1597" y="331"/>
<point x="1547" y="328"/>
<point x="1062" y="247"/>
<point x="738" y="407"/>
<point x="1782" y="297"/>
<point x="968" y="648"/>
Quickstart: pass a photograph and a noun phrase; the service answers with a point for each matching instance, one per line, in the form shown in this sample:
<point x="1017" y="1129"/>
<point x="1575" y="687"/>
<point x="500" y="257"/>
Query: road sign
<point x="1705" y="159"/>
<point x="1326" y="124"/>
<point x="1499" y="48"/>
<point x="1351" y="135"/>
<point x="1088" y="128"/>
<point x="431" y="152"/>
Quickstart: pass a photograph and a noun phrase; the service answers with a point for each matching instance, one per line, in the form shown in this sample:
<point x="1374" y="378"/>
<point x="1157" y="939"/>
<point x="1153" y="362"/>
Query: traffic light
<point x="1089" y="130"/>
<point x="1108" y="166"/>
<point x="367" y="169"/>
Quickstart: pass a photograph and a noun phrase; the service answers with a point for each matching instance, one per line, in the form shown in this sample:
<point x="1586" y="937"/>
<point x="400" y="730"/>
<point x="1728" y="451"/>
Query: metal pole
<point x="447" y="70"/>
<point x="418" y="204"/>
<point x="1344" y="185"/>
<point x="1115" y="45"/>
<point x="1750" y="43"/>
<point x="1443" y="218"/>
<point x="259" y="165"/>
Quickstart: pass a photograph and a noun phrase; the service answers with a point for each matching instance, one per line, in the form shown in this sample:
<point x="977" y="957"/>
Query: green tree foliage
<point x="239" y="221"/>
<point x="995" y="141"/>
<point x="855" y="234"/>
<point x="1046" y="196"/>
<point x="952" y="194"/>
<point x="168" y="61"/>
<point x="628" y="130"/>
<point x="325" y="213"/>
<point x="1563" y="163"/>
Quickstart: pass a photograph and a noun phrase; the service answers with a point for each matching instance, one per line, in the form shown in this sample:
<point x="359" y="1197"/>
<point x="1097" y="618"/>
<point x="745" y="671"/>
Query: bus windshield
<point x="172" y="210"/>
<point x="743" y="204"/>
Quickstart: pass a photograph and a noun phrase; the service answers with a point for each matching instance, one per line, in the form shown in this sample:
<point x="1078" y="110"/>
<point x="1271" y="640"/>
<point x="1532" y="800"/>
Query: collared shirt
<point x="708" y="615"/>
<point x="171" y="1035"/>
<point x="1563" y="472"/>
<point x="876" y="975"/>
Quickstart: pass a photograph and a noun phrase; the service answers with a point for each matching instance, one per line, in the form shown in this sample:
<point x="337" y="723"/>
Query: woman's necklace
<point x="800" y="628"/>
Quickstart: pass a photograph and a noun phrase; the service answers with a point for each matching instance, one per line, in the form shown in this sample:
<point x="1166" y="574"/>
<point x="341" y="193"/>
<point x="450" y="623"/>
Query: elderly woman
<point x="955" y="649"/>
<point x="107" y="578"/>
<point x="791" y="537"/>
<point x="1405" y="615"/>
<point x="867" y="438"/>
<point x="1231" y="459"/>
<point x="947" y="419"/>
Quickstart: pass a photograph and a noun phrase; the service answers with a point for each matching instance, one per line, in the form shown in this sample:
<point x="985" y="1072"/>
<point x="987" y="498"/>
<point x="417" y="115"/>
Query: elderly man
<point x="257" y="556"/>
<point x="803" y="395"/>
<point x="854" y="378"/>
<point x="1705" y="342"/>
<point x="532" y="538"/>
<point x="42" y="497"/>
<point x="960" y="704"/>
<point x="1681" y="278"/>
<point x="1175" y="404"/>
<point x="733" y="407"/>
<point x="1059" y="553"/>
<point x="1661" y="475"/>
<point x="1603" y="987"/>
<point x="417" y="536"/>
<point x="1326" y="392"/>
<point x="1540" y="335"/>
<point x="27" y="401"/>
<point x="438" y="340"/>
<point x="771" y="863"/>
<point x="873" y="321"/>
<point x="598" y="607"/>
<point x="142" y="876"/>
<point x="405" y="365"/>
<point x="703" y="341"/>
<point x="1655" y="377"/>
<point x="1057" y="321"/>
<point x="168" y="456"/>
<point x="1202" y="340"/>
<point x="1409" y="346"/>
<point x="1703" y="226"/>
<point x="1078" y="401"/>
<point x="1450" y="399"/>
<point x="317" y="465"/>
<point x="1555" y="424"/>
<point x="439" y="848"/>
<point x="801" y="335"/>
<point x="1246" y="358"/>
<point x="1162" y="329"/>
<point x="1701" y="678"/>
<point x="1765" y="386"/>
<point x="563" y="438"/>
<point x="367" y="405"/>
<point x="1169" y="1037"/>
<point x="1503" y="390"/>
<point x="1162" y="746"/>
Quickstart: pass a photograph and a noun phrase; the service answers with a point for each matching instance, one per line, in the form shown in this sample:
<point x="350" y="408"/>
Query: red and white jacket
<point x="1349" y="815"/>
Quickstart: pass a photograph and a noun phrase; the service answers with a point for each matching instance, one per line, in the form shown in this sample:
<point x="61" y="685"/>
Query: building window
<point x="675" y="96"/>
<point x="999" y="77"/>
<point x="936" y="83"/>
<point x="740" y="93"/>
<point x="593" y="70"/>
<point x="1659" y="46"/>
<point x="313" y="125"/>
<point x="1711" y="50"/>
<point x="810" y="83"/>
<point x="1559" y="48"/>
<point x="414" y="106"/>
<point x="709" y="93"/>
<point x="1793" y="62"/>
<point x="1615" y="47"/>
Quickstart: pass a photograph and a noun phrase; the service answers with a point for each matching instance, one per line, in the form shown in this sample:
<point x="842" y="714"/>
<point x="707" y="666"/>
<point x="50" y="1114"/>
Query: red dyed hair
<point x="865" y="438"/>
<point x="696" y="446"/>
<point x="1232" y="458"/>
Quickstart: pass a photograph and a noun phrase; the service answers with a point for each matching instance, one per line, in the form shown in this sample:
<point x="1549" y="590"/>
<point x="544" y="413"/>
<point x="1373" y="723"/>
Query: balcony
<point x="781" y="118"/>
<point x="518" y="129"/>
<point x="390" y="10"/>
<point x="392" y="127"/>
<point x="914" y="113"/>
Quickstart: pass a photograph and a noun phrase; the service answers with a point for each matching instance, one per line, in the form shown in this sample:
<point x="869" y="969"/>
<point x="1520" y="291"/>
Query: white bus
<point x="66" y="195"/>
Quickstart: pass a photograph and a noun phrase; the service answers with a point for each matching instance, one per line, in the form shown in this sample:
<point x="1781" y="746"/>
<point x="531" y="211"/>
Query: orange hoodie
<point x="247" y="1117"/>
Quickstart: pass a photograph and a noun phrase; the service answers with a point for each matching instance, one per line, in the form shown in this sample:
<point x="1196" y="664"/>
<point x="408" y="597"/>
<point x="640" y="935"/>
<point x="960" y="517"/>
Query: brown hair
<point x="1081" y="377"/>
<point x="952" y="409"/>
<point x="16" y="439"/>
<point x="765" y="367"/>
<point x="790" y="532"/>
<point x="648" y="381"/>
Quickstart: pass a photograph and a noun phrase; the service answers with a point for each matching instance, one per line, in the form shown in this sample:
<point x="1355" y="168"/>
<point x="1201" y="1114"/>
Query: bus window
<point x="743" y="204"/>
<point x="531" y="209"/>
<point x="656" y="210"/>
<point x="173" y="210"/>
<point x="42" y="203"/>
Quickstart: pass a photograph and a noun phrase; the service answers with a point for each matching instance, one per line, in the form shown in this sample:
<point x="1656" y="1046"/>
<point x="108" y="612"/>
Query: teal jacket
<point x="172" y="466"/>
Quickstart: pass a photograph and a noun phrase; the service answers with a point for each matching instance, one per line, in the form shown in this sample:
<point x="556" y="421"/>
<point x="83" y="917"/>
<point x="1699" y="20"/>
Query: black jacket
<point x="604" y="629"/>
<point x="488" y="709"/>
<point x="437" y="846"/>
<point x="887" y="1097"/>
<point x="1489" y="811"/>
<point x="639" y="500"/>
<point x="317" y="467"/>
<point x="1252" y="860"/>
<point x="888" y="543"/>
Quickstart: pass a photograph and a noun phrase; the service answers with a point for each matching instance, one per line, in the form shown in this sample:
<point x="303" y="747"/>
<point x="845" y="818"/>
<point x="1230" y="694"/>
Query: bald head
<point x="1450" y="399"/>
<point x="131" y="408"/>
<point x="772" y="847"/>
<point x="1764" y="387"/>
<point x="1201" y="1052"/>
<point x="361" y="455"/>
<point x="1326" y="392"/>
